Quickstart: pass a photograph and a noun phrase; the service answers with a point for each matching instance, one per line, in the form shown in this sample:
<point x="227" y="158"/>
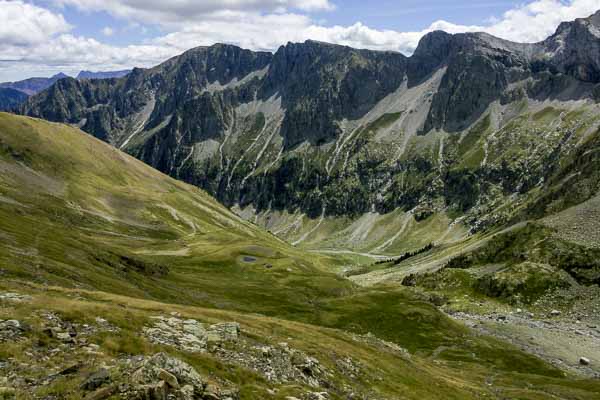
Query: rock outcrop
<point x="190" y="335"/>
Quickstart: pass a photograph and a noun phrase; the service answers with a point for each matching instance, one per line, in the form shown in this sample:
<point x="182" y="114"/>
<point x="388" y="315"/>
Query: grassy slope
<point x="76" y="213"/>
<point x="70" y="206"/>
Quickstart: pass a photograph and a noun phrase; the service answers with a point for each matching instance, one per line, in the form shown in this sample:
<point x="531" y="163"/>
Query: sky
<point x="44" y="37"/>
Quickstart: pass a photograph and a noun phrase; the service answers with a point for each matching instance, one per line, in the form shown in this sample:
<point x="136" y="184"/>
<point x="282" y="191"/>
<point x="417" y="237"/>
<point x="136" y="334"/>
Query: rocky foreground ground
<point x="57" y="355"/>
<point x="57" y="350"/>
<point x="155" y="377"/>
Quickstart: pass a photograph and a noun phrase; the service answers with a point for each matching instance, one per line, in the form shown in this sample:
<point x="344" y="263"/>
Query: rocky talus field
<point x="321" y="223"/>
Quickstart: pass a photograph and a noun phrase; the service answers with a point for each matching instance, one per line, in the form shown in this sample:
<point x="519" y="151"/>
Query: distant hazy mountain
<point x="102" y="75"/>
<point x="14" y="94"/>
<point x="11" y="99"/>
<point x="32" y="86"/>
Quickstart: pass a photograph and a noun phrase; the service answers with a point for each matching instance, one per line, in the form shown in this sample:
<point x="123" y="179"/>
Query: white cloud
<point x="108" y="31"/>
<point x="539" y="19"/>
<point x="529" y="23"/>
<point x="361" y="36"/>
<point x="248" y="30"/>
<point x="172" y="13"/>
<point x="23" y="24"/>
<point x="35" y="36"/>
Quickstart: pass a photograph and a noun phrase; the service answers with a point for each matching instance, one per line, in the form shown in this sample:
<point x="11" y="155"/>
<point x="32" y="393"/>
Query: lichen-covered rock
<point x="278" y="364"/>
<point x="14" y="297"/>
<point x="222" y="332"/>
<point x="11" y="329"/>
<point x="150" y="369"/>
<point x="190" y="335"/>
<point x="163" y="377"/>
<point x="186" y="335"/>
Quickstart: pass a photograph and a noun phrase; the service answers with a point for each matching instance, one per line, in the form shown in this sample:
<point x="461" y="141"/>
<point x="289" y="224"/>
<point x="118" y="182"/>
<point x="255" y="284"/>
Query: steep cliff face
<point x="321" y="84"/>
<point x="480" y="68"/>
<point x="575" y="49"/>
<point x="467" y="125"/>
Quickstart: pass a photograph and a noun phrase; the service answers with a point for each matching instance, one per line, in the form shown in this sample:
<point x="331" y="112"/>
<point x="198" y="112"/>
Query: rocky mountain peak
<point x="320" y="83"/>
<point x="60" y="75"/>
<point x="592" y="23"/>
<point x="575" y="48"/>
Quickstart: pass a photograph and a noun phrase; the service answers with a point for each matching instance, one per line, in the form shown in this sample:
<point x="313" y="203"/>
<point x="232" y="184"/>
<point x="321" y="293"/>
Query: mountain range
<point x="32" y="86"/>
<point x="10" y="100"/>
<point x="310" y="139"/>
<point x="318" y="223"/>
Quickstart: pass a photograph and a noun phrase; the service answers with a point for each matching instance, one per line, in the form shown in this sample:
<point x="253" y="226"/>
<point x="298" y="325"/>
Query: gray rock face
<point x="480" y="68"/>
<point x="190" y="335"/>
<point x="163" y="377"/>
<point x="322" y="83"/>
<point x="575" y="49"/>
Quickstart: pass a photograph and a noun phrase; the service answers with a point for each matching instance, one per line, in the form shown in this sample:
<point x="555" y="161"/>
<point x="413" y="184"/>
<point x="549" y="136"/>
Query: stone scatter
<point x="190" y="335"/>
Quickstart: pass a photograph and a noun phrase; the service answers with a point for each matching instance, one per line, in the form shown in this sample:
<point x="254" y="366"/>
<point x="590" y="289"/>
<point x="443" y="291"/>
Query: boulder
<point x="155" y="391"/>
<point x="212" y="392"/>
<point x="149" y="371"/>
<point x="317" y="396"/>
<point x="188" y="335"/>
<point x="95" y="380"/>
<point x="11" y="329"/>
<point x="223" y="332"/>
<point x="169" y="378"/>
<point x="194" y="327"/>
<point x="584" y="361"/>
